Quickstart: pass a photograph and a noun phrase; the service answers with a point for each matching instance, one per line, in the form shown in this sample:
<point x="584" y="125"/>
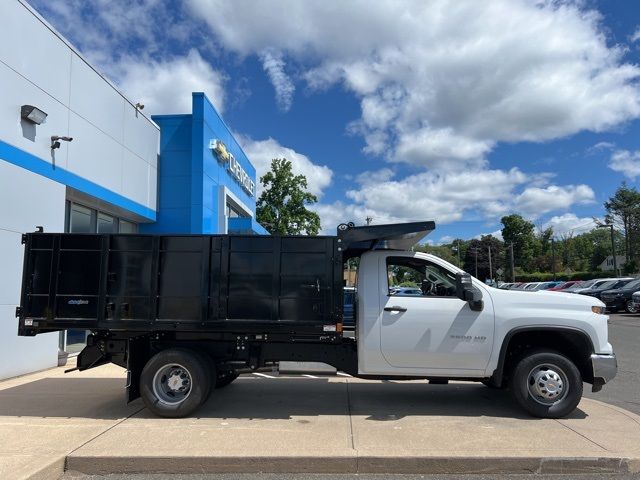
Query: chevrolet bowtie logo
<point x="220" y="149"/>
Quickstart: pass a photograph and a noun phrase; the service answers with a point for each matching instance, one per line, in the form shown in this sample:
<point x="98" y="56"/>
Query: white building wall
<point x="26" y="200"/>
<point x="114" y="147"/>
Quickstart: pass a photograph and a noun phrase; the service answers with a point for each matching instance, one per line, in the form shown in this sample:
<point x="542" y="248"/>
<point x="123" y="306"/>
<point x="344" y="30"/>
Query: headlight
<point x="598" y="310"/>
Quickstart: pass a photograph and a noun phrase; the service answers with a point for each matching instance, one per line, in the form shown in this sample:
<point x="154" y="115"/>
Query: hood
<point x="549" y="300"/>
<point x="615" y="291"/>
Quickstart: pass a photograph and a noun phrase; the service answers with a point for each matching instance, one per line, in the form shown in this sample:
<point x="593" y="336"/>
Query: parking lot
<point x="624" y="390"/>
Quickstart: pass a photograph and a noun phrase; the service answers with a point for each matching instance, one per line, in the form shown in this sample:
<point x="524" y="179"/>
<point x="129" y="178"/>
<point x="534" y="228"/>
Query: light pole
<point x="613" y="247"/>
<point x="490" y="267"/>
<point x="553" y="257"/>
<point x="475" y="252"/>
<point x="457" y="247"/>
<point x="513" y="272"/>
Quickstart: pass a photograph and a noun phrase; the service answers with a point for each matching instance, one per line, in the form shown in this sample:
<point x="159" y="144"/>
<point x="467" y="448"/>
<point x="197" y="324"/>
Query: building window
<point x="81" y="219"/>
<point x="106" y="223"/>
<point x="234" y="212"/>
<point x="127" y="227"/>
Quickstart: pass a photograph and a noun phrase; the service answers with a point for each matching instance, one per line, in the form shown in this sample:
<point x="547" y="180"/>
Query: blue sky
<point x="456" y="111"/>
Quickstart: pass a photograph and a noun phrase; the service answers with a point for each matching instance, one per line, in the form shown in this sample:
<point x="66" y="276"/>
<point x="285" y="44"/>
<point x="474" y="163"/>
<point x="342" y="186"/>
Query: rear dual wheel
<point x="175" y="382"/>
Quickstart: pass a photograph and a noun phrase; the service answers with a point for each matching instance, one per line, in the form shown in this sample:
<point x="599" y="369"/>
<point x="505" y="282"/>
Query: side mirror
<point x="465" y="291"/>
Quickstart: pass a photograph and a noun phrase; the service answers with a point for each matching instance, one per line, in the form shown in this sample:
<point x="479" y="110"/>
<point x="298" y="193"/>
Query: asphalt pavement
<point x="624" y="390"/>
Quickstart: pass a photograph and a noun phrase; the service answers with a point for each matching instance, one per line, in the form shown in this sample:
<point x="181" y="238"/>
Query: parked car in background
<point x="597" y="289"/>
<point x="564" y="285"/>
<point x="505" y="286"/>
<point x="348" y="312"/>
<point x="579" y="285"/>
<point x="546" y="285"/>
<point x="620" y="298"/>
<point x="636" y="300"/>
<point x="407" y="291"/>
<point x="591" y="284"/>
<point x="531" y="286"/>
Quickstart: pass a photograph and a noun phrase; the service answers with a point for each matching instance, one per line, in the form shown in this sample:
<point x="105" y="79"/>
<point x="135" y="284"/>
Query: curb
<point x="93" y="465"/>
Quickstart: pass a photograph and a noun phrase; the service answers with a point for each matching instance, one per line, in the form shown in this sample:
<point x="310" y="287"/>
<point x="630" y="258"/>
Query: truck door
<point x="424" y="326"/>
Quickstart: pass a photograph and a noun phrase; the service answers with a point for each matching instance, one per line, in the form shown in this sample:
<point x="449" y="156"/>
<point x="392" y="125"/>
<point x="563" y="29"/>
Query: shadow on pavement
<point x="96" y="398"/>
<point x="280" y="398"/>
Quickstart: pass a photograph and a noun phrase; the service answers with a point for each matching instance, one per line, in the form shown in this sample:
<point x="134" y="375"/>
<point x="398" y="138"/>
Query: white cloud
<point x="569" y="223"/>
<point x="483" y="194"/>
<point x="166" y="86"/>
<point x="635" y="36"/>
<point x="536" y="201"/>
<point x="432" y="77"/>
<point x="143" y="47"/>
<point x="626" y="162"/>
<point x="273" y="64"/>
<point x="261" y="152"/>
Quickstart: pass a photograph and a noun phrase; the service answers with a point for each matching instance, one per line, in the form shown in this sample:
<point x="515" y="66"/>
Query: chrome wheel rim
<point x="172" y="384"/>
<point x="547" y="384"/>
<point x="631" y="307"/>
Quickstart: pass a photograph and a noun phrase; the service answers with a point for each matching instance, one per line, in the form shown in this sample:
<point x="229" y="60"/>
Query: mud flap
<point x="92" y="356"/>
<point x="137" y="357"/>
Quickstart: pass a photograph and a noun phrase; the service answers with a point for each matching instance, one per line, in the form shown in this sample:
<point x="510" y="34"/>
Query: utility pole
<point x="368" y="220"/>
<point x="490" y="268"/>
<point x="613" y="247"/>
<point x="553" y="256"/>
<point x="475" y="252"/>
<point x="457" y="247"/>
<point x="513" y="272"/>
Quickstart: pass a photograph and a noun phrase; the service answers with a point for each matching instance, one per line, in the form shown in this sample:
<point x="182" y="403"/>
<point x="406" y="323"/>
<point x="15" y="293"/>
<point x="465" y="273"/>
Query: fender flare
<point x="498" y="373"/>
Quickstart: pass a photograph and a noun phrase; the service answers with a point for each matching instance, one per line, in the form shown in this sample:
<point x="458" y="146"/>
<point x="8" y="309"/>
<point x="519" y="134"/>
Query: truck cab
<point x="460" y="328"/>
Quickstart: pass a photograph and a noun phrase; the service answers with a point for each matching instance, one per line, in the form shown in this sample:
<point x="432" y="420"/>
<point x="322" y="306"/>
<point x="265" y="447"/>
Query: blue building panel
<point x="197" y="181"/>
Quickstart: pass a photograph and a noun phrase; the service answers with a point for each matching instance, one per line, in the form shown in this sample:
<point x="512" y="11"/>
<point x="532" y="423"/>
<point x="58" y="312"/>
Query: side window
<point x="414" y="277"/>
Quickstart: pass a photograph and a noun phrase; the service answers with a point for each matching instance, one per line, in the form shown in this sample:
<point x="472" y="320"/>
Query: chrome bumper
<point x="605" y="368"/>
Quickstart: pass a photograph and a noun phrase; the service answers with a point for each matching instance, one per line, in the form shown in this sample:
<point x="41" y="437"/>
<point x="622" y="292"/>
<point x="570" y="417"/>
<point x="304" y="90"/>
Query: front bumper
<point x="616" y="303"/>
<point x="605" y="368"/>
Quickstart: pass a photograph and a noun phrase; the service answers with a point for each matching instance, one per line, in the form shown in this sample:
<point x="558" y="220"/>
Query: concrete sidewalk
<point x="80" y="421"/>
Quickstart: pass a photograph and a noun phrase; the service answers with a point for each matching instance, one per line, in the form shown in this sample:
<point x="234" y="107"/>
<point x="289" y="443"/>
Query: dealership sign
<point x="233" y="166"/>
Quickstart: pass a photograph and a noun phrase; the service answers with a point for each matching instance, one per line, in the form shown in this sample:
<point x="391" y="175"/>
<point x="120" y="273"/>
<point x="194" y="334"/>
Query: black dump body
<point x="134" y="284"/>
<point x="188" y="282"/>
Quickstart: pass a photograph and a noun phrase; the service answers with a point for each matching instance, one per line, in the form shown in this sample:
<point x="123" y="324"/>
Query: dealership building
<point x="78" y="156"/>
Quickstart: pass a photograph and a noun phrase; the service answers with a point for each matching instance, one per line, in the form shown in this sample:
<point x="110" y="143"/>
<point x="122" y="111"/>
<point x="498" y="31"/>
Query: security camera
<point x="55" y="141"/>
<point x="139" y="106"/>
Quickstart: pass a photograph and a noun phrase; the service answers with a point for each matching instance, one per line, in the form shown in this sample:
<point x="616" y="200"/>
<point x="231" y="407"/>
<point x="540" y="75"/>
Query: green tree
<point x="521" y="233"/>
<point x="282" y="206"/>
<point x="480" y="249"/>
<point x="623" y="211"/>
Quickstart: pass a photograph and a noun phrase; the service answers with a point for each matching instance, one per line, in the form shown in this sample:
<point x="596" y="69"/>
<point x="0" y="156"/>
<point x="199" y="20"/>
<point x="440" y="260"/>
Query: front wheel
<point x="175" y="382"/>
<point x="631" y="307"/>
<point x="547" y="385"/>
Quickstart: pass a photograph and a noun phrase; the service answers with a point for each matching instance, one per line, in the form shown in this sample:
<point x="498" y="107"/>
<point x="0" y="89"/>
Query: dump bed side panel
<point x="178" y="282"/>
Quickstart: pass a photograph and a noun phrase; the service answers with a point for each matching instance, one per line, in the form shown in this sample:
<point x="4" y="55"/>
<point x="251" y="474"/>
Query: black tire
<point x="558" y="378"/>
<point x="175" y="382"/>
<point x="630" y="307"/>
<point x="225" y="378"/>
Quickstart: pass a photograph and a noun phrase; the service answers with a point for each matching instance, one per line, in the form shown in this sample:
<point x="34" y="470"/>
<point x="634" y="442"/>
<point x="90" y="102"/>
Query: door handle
<point x="395" y="308"/>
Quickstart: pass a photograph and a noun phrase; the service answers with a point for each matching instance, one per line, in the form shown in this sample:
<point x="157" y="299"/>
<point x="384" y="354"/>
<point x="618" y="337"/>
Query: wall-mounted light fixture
<point x="32" y="114"/>
<point x="139" y="106"/>
<point x="55" y="141"/>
